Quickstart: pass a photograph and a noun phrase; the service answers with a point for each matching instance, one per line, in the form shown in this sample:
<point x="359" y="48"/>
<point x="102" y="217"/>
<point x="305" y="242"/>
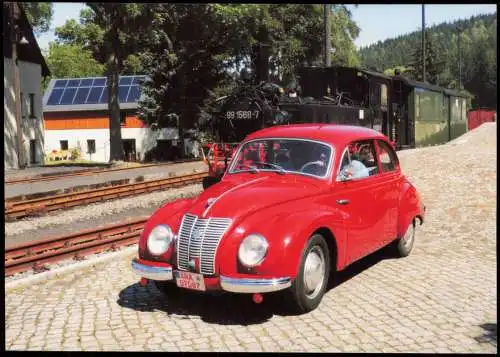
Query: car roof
<point x="334" y="134"/>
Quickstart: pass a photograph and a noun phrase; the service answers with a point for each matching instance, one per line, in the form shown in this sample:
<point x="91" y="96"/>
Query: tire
<point x="303" y="301"/>
<point x="404" y="245"/>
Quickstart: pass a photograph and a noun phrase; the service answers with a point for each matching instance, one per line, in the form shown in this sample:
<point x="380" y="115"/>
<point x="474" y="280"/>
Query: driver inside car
<point x="356" y="168"/>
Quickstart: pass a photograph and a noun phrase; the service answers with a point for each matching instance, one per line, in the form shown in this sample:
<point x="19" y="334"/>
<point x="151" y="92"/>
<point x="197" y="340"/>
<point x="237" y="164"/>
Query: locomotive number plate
<point x="242" y="114"/>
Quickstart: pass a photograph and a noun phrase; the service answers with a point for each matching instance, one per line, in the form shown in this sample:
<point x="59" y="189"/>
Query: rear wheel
<point x="308" y="288"/>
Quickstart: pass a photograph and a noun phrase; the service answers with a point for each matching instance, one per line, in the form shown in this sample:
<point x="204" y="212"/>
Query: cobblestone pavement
<point x="442" y="298"/>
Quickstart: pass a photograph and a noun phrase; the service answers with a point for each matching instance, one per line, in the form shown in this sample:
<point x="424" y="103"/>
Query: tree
<point x="433" y="64"/>
<point x="112" y="32"/>
<point x="72" y="61"/>
<point x="185" y="65"/>
<point x="39" y="15"/>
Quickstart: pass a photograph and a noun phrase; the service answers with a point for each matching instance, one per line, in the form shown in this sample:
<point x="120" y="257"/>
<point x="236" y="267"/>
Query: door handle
<point x="343" y="202"/>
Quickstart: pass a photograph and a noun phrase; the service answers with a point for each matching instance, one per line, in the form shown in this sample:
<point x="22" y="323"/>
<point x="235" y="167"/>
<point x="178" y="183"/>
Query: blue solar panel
<point x="99" y="81"/>
<point x="123" y="93"/>
<point x="73" y="83"/>
<point x="68" y="95"/>
<point x="138" y="80"/>
<point x="60" y="83"/>
<point x="125" y="81"/>
<point x="134" y="94"/>
<point x="81" y="95"/>
<point x="94" y="95"/>
<point x="93" y="90"/>
<point x="55" y="96"/>
<point x="104" y="97"/>
<point x="87" y="82"/>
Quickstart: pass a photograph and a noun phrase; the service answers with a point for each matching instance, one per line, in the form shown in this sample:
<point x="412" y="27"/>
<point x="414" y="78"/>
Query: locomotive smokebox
<point x="261" y="54"/>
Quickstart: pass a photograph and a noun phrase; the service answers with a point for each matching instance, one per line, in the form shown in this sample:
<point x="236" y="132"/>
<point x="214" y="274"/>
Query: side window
<point x="64" y="144"/>
<point x="359" y="160"/>
<point x="388" y="158"/>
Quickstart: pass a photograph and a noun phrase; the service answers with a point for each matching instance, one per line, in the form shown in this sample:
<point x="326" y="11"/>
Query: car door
<point x="391" y="174"/>
<point x="358" y="197"/>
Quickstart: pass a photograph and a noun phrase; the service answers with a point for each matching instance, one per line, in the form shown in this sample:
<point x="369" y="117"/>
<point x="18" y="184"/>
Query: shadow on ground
<point x="489" y="335"/>
<point x="225" y="308"/>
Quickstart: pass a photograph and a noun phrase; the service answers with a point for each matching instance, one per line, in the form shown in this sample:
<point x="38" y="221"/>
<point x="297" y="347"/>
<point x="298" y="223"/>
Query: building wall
<point x="30" y="81"/>
<point x="77" y="128"/>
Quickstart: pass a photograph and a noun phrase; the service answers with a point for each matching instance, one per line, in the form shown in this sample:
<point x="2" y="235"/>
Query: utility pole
<point x="423" y="43"/>
<point x="14" y="16"/>
<point x="327" y="35"/>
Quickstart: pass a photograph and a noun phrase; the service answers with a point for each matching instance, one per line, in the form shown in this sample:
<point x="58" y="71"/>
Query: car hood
<point x="237" y="197"/>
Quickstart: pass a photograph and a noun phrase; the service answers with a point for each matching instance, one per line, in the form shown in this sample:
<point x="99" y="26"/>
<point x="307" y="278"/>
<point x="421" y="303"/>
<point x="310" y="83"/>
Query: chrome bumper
<point x="241" y="285"/>
<point x="152" y="272"/>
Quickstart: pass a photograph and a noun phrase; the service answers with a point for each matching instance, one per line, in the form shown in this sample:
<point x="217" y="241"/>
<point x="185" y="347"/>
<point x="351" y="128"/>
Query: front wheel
<point x="404" y="245"/>
<point x="309" y="286"/>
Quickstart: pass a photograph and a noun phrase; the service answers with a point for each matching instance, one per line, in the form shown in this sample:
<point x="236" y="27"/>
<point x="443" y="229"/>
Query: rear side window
<point x="388" y="158"/>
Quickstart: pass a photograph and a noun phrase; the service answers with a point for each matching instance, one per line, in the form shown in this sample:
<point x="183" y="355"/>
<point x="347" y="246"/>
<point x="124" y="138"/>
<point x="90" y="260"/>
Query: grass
<point x="77" y="162"/>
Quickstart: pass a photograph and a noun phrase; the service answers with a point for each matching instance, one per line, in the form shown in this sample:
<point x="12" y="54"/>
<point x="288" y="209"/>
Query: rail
<point x="88" y="172"/>
<point x="34" y="255"/>
<point x="19" y="209"/>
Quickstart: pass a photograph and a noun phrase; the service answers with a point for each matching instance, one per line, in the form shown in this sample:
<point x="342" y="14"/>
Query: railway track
<point x="19" y="209"/>
<point x="86" y="172"/>
<point x="34" y="255"/>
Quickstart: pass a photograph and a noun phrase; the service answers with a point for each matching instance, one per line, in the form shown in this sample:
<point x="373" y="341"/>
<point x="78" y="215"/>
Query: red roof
<point x="335" y="134"/>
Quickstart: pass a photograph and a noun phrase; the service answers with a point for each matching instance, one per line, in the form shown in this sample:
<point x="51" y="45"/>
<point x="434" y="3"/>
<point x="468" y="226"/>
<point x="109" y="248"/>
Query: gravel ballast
<point x="94" y="211"/>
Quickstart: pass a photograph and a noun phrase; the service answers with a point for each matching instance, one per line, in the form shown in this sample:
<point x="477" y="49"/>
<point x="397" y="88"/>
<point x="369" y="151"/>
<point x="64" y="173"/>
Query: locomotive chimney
<point x="261" y="55"/>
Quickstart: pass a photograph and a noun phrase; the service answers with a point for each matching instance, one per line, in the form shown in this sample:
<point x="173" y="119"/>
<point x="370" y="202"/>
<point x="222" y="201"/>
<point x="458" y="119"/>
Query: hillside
<point x="478" y="43"/>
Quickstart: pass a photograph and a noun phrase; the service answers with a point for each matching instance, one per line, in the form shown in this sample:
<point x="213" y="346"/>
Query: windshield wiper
<point x="278" y="167"/>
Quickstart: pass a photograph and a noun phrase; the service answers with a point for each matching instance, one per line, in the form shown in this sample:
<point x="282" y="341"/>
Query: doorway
<point x="33" y="151"/>
<point x="129" y="153"/>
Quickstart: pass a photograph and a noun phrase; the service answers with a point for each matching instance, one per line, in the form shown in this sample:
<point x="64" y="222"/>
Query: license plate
<point x="188" y="280"/>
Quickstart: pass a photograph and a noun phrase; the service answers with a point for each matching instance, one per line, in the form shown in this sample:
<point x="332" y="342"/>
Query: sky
<point x="377" y="22"/>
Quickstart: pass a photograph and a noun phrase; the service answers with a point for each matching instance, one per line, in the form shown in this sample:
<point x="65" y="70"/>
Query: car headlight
<point x="159" y="239"/>
<point x="252" y="250"/>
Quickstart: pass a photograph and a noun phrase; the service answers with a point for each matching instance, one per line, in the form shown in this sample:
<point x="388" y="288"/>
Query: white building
<point x="32" y="67"/>
<point x="76" y="116"/>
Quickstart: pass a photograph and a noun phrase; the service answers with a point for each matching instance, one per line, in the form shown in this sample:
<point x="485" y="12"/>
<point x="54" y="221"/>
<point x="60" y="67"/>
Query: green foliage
<point x="478" y="48"/>
<point x="72" y="61"/>
<point x="433" y="64"/>
<point x="39" y="15"/>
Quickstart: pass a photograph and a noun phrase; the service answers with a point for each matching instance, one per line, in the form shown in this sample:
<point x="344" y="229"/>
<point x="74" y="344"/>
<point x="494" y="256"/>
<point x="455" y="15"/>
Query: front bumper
<point x="235" y="285"/>
<point x="161" y="273"/>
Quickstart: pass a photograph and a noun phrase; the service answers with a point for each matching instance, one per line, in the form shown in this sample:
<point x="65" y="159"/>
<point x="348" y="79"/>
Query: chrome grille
<point x="199" y="238"/>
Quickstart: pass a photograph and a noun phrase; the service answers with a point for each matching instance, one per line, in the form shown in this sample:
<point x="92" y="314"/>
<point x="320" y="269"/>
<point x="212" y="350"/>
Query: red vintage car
<point x="296" y="204"/>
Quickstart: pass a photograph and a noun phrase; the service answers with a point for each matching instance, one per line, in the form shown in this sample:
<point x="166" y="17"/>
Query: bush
<point x="75" y="153"/>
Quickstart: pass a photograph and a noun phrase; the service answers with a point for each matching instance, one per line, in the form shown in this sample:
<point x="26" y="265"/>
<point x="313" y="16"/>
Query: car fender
<point x="170" y="213"/>
<point x="410" y="207"/>
<point x="287" y="233"/>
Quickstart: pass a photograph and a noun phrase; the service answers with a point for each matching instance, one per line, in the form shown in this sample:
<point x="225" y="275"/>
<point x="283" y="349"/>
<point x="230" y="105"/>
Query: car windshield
<point x="283" y="156"/>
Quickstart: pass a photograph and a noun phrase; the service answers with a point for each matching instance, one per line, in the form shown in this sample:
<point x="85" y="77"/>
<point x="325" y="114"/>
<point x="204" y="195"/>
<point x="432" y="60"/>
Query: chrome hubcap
<point x="408" y="237"/>
<point x="314" y="272"/>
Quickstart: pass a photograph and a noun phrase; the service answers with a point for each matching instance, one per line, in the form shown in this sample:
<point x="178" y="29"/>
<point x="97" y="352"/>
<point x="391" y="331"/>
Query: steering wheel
<point x="311" y="163"/>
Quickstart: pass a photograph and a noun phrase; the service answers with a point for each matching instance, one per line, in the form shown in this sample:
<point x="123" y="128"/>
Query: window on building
<point x="64" y="144"/>
<point x="123" y="118"/>
<point x="32" y="105"/>
<point x="91" y="146"/>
